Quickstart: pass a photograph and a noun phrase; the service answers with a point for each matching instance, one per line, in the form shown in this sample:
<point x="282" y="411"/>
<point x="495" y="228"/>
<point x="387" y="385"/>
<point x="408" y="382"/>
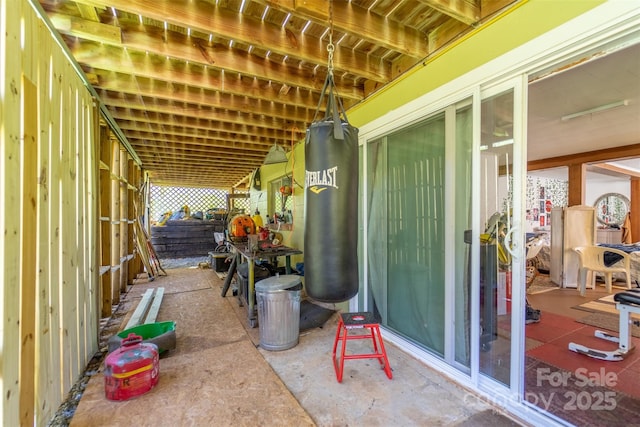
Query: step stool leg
<point x="335" y="342"/>
<point x="338" y="365"/>
<point x="386" y="367"/>
<point x="373" y="338"/>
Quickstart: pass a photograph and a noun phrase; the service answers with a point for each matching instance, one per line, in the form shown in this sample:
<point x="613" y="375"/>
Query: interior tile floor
<point x="217" y="375"/>
<point x="548" y="341"/>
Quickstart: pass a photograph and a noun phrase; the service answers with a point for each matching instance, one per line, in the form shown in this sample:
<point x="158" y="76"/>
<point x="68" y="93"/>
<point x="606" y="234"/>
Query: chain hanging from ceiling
<point x="330" y="47"/>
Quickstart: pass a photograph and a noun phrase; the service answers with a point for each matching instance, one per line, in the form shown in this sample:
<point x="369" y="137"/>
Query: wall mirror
<point x="611" y="209"/>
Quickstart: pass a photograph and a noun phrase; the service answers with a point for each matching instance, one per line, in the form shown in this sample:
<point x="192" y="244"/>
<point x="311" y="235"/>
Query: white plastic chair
<point x="592" y="259"/>
<point x="533" y="248"/>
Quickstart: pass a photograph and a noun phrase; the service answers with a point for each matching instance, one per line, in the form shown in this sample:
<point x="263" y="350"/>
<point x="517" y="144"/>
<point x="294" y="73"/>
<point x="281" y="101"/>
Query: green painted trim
<point x="524" y="22"/>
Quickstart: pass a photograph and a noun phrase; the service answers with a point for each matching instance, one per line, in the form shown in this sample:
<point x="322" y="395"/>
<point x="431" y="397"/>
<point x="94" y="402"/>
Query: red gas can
<point x="131" y="370"/>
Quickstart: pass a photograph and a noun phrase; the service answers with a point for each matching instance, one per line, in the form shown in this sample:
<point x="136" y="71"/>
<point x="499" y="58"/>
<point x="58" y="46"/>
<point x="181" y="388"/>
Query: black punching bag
<point x="331" y="205"/>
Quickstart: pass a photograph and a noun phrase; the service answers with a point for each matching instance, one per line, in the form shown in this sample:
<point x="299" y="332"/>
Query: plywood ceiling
<point x="203" y="88"/>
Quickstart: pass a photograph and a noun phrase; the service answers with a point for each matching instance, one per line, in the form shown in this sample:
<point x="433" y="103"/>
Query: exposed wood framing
<point x="124" y="219"/>
<point x="235" y="76"/>
<point x="105" y="221"/>
<point x="577" y="184"/>
<point x="624" y="152"/>
<point x="608" y="169"/>
<point x="115" y="221"/>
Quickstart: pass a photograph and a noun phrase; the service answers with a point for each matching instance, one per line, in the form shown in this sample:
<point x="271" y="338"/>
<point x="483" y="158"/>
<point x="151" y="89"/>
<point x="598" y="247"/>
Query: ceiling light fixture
<point x="599" y="109"/>
<point x="276" y="154"/>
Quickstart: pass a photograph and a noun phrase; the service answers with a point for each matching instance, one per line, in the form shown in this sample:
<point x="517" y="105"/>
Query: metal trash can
<point x="279" y="311"/>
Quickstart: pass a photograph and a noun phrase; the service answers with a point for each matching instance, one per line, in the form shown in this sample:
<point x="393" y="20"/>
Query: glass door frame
<point x="515" y="241"/>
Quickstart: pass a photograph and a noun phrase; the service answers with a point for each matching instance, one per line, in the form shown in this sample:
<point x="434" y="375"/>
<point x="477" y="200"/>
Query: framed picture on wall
<point x="542" y="220"/>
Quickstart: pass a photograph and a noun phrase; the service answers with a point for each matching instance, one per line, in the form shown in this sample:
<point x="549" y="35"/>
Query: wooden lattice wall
<point x="51" y="147"/>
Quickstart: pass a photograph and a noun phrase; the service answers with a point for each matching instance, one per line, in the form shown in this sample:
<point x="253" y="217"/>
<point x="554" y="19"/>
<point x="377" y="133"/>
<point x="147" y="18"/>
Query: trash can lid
<point x="278" y="283"/>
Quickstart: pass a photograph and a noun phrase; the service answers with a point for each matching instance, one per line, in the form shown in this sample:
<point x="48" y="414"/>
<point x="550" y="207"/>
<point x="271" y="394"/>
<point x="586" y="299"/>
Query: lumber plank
<point x="142" y="307"/>
<point x="47" y="371"/>
<point x="155" y="307"/>
<point x="28" y="293"/>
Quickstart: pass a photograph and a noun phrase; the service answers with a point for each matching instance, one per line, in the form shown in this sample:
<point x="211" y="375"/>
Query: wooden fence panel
<point x="49" y="274"/>
<point x="10" y="114"/>
<point x="28" y="263"/>
<point x="46" y="394"/>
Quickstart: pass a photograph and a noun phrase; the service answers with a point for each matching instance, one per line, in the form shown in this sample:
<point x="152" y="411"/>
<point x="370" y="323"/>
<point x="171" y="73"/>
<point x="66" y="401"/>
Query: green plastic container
<point x="162" y="334"/>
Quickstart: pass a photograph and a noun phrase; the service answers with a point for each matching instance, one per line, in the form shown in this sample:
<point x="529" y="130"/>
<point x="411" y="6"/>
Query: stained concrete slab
<point x="416" y="396"/>
<point x="218" y="375"/>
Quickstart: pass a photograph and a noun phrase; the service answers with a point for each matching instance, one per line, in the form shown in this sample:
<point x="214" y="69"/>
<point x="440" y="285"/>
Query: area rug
<point x="608" y="321"/>
<point x="541" y="283"/>
<point x="605" y="304"/>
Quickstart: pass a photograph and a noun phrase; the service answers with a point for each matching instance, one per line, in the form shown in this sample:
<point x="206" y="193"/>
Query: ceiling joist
<point x="202" y="89"/>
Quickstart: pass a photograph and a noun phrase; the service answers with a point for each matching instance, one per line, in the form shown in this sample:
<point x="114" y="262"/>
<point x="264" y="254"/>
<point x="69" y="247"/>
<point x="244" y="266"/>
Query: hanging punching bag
<point x="331" y="205"/>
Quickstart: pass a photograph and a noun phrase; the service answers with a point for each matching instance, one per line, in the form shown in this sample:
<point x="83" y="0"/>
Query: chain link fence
<point x="165" y="199"/>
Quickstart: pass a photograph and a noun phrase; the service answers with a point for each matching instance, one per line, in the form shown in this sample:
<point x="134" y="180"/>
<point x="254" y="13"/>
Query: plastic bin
<point x="217" y="261"/>
<point x="279" y="311"/>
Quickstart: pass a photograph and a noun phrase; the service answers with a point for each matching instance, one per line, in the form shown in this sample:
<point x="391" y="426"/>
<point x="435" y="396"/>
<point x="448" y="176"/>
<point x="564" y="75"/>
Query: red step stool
<point x="361" y="320"/>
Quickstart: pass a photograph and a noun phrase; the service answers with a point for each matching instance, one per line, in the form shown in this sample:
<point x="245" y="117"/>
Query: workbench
<point x="266" y="252"/>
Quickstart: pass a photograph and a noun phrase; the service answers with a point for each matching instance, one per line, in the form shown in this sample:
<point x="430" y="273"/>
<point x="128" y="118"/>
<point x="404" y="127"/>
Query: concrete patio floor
<point x="218" y="375"/>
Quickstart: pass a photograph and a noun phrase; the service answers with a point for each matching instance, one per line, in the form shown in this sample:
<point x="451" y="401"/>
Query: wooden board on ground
<point x="140" y="310"/>
<point x="155" y="306"/>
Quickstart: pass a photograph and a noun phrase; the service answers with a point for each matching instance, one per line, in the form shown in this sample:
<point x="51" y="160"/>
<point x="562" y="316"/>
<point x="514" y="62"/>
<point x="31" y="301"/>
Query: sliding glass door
<point x="501" y="240"/>
<point x="415" y="175"/>
<point x="433" y="278"/>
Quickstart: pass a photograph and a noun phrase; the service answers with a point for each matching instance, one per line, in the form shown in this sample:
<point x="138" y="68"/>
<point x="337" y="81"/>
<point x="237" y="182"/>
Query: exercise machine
<point x="628" y="302"/>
